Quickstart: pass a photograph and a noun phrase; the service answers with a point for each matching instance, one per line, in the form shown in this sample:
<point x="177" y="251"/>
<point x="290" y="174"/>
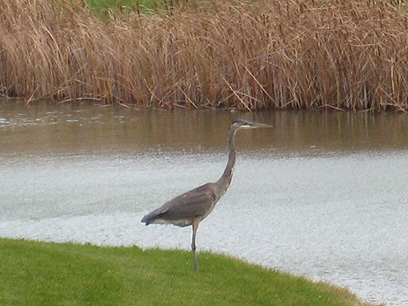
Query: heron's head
<point x="244" y="124"/>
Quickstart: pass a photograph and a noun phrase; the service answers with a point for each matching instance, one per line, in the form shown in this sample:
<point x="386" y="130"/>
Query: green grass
<point x="101" y="4"/>
<point x="144" y="6"/>
<point x="37" y="273"/>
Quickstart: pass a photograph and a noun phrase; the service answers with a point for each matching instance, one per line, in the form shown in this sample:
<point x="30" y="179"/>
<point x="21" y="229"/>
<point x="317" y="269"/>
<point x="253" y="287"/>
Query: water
<point x="323" y="194"/>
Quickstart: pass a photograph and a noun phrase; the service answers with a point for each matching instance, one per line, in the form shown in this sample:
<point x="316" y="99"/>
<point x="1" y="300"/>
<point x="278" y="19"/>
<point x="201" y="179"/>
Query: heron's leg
<point x="196" y="222"/>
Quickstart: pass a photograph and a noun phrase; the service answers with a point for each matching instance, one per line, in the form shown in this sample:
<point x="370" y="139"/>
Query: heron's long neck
<point x="225" y="179"/>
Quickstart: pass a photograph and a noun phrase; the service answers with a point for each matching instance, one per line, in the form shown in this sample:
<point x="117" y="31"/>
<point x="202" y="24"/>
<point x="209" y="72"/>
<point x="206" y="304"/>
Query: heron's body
<point x="182" y="210"/>
<point x="191" y="207"/>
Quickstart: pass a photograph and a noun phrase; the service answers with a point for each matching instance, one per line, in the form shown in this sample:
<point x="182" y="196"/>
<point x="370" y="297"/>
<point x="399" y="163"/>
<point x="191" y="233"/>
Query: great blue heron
<point x="192" y="207"/>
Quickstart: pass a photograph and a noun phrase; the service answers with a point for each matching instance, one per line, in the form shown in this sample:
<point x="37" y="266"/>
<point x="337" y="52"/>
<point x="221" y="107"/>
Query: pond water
<point x="323" y="194"/>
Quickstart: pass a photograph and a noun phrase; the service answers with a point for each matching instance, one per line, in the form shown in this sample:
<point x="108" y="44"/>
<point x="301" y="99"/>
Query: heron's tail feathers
<point x="154" y="216"/>
<point x="147" y="219"/>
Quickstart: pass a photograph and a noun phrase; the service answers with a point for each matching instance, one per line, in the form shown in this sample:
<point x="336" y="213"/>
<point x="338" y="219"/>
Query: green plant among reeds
<point x="211" y="54"/>
<point x="146" y="7"/>
<point x="110" y="8"/>
<point x="36" y="273"/>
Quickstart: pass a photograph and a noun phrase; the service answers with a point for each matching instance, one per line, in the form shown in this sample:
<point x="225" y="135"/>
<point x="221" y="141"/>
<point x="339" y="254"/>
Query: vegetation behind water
<point x="36" y="273"/>
<point x="223" y="54"/>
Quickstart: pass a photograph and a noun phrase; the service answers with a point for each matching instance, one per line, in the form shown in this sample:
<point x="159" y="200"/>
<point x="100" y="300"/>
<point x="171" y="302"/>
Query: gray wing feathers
<point x="194" y="203"/>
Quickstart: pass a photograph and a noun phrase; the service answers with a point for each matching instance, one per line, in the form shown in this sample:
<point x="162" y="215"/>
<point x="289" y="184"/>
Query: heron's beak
<point x="260" y="125"/>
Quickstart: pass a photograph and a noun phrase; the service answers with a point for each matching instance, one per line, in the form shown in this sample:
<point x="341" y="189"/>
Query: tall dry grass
<point x="234" y="54"/>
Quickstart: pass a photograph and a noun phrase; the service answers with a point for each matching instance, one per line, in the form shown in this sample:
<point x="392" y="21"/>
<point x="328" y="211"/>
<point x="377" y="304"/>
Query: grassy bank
<point x="34" y="273"/>
<point x="223" y="54"/>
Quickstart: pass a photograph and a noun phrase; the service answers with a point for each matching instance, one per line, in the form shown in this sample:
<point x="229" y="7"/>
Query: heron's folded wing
<point x="194" y="203"/>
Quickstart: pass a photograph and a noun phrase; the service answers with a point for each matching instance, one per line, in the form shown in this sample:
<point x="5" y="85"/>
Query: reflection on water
<point x="323" y="194"/>
<point x="70" y="129"/>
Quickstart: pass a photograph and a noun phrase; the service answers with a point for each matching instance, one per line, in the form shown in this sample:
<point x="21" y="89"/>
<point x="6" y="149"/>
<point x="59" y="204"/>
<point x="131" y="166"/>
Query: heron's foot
<point x="195" y="261"/>
<point x="196" y="265"/>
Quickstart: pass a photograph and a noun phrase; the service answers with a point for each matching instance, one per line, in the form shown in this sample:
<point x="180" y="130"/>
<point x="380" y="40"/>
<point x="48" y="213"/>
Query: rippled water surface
<point x="323" y="194"/>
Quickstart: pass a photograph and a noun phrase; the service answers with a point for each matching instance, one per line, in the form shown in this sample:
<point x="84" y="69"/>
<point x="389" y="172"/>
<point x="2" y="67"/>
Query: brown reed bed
<point x="218" y="54"/>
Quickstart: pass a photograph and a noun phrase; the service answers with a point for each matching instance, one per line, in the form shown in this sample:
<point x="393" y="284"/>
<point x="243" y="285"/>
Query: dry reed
<point x="242" y="55"/>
